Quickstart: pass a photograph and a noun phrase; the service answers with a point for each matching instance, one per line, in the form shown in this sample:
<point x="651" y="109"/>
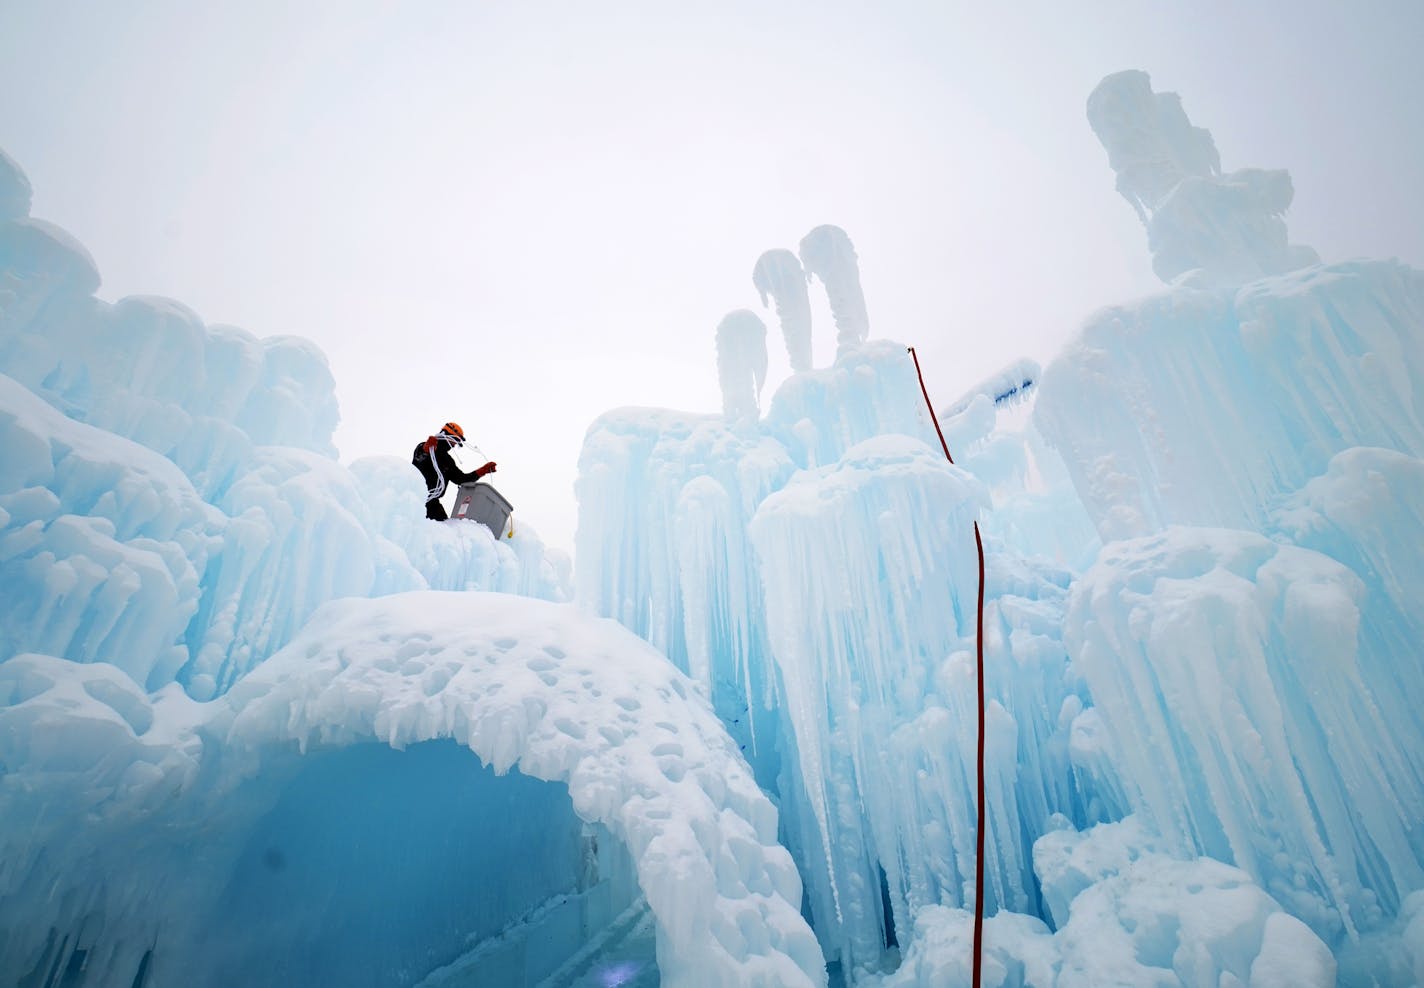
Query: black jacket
<point x="438" y="467"/>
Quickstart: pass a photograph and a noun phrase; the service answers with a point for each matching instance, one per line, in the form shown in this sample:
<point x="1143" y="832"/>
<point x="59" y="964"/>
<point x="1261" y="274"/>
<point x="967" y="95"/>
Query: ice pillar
<point x="827" y="253"/>
<point x="778" y="273"/>
<point x="741" y="363"/>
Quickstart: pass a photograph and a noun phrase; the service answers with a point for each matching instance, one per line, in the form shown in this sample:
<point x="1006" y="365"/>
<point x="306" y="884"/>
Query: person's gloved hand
<point x="487" y="468"/>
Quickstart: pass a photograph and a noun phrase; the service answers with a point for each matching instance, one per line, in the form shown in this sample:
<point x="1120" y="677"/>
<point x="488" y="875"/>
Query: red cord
<point x="933" y="418"/>
<point x="979" y="826"/>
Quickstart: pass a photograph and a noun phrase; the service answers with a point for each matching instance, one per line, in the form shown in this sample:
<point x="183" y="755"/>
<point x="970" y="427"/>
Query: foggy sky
<point x="518" y="215"/>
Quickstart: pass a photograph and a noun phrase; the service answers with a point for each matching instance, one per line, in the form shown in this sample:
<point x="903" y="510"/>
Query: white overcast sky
<point x="520" y="214"/>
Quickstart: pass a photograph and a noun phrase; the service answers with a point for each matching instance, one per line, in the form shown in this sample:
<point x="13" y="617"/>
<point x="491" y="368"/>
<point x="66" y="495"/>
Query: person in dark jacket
<point x="432" y="458"/>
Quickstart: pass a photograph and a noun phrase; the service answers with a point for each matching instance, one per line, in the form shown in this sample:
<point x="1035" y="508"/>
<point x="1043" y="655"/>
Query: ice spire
<point x="778" y="273"/>
<point x="827" y="253"/>
<point x="741" y="363"/>
<point x="1228" y="227"/>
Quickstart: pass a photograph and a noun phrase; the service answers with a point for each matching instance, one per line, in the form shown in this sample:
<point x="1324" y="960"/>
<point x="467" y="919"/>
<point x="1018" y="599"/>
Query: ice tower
<point x="778" y="273"/>
<point x="1203" y="762"/>
<point x="828" y="254"/>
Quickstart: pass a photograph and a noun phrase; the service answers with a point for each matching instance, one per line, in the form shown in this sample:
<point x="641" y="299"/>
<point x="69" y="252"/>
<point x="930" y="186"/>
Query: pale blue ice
<point x="262" y="723"/>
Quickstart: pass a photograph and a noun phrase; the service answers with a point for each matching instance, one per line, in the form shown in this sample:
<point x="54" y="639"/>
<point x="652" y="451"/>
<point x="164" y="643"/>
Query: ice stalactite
<point x="741" y="363"/>
<point x="827" y="253"/>
<point x="778" y="273"/>
<point x="1229" y="227"/>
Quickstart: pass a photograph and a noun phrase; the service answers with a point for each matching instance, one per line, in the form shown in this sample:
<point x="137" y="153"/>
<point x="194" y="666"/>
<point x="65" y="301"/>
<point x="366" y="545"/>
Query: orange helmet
<point x="453" y="430"/>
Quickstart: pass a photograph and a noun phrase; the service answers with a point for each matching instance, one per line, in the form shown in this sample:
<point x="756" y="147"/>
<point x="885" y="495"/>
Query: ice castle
<point x="732" y="741"/>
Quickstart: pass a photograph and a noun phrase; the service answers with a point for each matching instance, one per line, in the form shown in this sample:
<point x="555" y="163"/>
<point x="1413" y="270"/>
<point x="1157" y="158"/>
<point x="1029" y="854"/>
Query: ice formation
<point x="292" y="779"/>
<point x="1139" y="917"/>
<point x="827" y="253"/>
<point x="741" y="363"/>
<point x="234" y="672"/>
<point x="1203" y="533"/>
<point x="1228" y="227"/>
<point x="778" y="273"/>
<point x="186" y="740"/>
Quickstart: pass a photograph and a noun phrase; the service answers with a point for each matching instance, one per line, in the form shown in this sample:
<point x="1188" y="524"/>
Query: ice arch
<point x="570" y="698"/>
<point x="138" y="819"/>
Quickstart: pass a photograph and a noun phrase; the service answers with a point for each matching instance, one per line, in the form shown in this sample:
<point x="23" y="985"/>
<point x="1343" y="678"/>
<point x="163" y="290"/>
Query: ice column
<point x="741" y="363"/>
<point x="827" y="253"/>
<point x="865" y="570"/>
<point x="778" y="273"/>
<point x="1229" y="226"/>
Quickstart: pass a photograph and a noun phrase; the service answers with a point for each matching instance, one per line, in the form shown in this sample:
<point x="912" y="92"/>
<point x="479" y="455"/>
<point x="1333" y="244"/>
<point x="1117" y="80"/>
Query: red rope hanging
<point x="979" y="825"/>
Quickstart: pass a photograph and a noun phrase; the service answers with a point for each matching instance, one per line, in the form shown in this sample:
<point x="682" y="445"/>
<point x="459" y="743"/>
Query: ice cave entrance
<point x="383" y="867"/>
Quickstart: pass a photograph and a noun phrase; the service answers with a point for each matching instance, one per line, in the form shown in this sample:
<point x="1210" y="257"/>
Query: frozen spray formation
<point x="778" y="273"/>
<point x="1229" y="227"/>
<point x="741" y="363"/>
<point x="827" y="253"/>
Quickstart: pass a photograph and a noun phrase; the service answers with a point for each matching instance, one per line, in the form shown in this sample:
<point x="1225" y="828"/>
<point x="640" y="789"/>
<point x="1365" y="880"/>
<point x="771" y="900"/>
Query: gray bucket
<point x="482" y="503"/>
